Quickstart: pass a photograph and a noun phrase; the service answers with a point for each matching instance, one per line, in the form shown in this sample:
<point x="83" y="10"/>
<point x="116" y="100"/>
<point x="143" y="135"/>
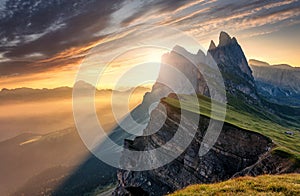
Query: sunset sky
<point x="42" y="43"/>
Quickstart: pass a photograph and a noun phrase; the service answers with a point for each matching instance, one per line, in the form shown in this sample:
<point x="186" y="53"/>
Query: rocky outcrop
<point x="270" y="163"/>
<point x="235" y="152"/>
<point x="230" y="53"/>
<point x="236" y="72"/>
<point x="181" y="62"/>
<point x="228" y="57"/>
<point x="212" y="45"/>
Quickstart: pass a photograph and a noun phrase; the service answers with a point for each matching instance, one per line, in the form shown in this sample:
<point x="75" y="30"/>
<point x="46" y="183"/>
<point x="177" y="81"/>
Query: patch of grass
<point x="288" y="184"/>
<point x="247" y="117"/>
<point x="285" y="153"/>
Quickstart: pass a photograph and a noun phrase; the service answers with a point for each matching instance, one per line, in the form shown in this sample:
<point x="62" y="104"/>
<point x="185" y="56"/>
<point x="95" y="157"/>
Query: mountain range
<point x="278" y="83"/>
<point x="252" y="140"/>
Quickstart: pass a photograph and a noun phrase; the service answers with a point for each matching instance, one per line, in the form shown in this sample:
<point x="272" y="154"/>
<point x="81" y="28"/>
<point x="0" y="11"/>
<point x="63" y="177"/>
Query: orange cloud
<point x="59" y="70"/>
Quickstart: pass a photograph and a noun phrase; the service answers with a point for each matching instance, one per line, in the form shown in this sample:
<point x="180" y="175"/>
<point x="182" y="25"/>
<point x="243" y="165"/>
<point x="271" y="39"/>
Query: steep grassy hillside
<point x="261" y="185"/>
<point x="254" y="119"/>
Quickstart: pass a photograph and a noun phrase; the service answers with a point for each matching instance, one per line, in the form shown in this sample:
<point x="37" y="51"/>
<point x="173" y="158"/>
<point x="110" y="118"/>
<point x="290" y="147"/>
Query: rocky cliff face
<point x="228" y="56"/>
<point x="237" y="152"/>
<point x="187" y="64"/>
<point x="230" y="53"/>
<point x="236" y="72"/>
<point x="279" y="83"/>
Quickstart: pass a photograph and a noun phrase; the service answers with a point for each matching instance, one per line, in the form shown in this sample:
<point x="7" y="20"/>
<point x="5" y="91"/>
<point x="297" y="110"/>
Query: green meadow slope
<point x="251" y="118"/>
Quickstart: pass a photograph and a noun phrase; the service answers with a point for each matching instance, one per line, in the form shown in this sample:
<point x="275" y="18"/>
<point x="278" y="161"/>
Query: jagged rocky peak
<point x="225" y="39"/>
<point x="233" y="64"/>
<point x="229" y="57"/>
<point x="212" y="45"/>
<point x="201" y="54"/>
<point x="230" y="53"/>
<point x="188" y="64"/>
<point x="179" y="49"/>
<point x="179" y="57"/>
<point x="185" y="63"/>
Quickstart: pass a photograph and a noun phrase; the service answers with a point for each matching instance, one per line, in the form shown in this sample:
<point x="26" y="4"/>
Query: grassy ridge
<point x="250" y="118"/>
<point x="288" y="184"/>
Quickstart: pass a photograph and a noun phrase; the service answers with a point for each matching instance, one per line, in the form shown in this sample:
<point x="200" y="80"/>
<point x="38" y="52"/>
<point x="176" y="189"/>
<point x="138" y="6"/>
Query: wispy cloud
<point x="40" y="37"/>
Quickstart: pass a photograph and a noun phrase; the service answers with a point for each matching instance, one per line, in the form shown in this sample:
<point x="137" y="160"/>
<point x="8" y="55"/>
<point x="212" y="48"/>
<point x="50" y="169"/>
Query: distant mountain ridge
<point x="30" y="94"/>
<point x="25" y="94"/>
<point x="278" y="83"/>
<point x="254" y="62"/>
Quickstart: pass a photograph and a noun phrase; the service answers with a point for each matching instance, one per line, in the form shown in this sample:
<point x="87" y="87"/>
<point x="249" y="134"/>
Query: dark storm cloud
<point x="63" y="24"/>
<point x="77" y="31"/>
<point x="10" y="69"/>
<point x="16" y="68"/>
<point x="48" y="27"/>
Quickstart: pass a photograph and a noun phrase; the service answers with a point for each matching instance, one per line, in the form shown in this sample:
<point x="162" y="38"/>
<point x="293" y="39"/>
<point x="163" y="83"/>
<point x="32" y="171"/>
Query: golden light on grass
<point x="288" y="184"/>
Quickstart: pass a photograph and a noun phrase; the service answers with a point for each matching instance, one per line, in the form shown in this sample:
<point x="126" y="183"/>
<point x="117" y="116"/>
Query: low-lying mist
<point x="47" y="115"/>
<point x="39" y="141"/>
